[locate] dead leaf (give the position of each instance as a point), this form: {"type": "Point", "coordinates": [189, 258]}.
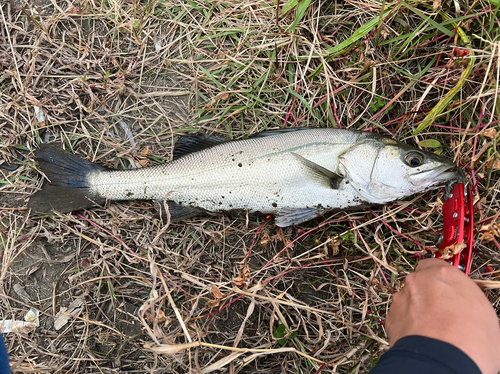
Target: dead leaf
{"type": "Point", "coordinates": [379, 287]}
{"type": "Point", "coordinates": [265, 240]}
{"type": "Point", "coordinates": [21, 292]}
{"type": "Point", "coordinates": [489, 133]}
{"type": "Point", "coordinates": [451, 250]}
{"type": "Point", "coordinates": [333, 249]}
{"type": "Point", "coordinates": [144, 162]}
{"type": "Point", "coordinates": [244, 278]}
{"type": "Point", "coordinates": [436, 4]}
{"type": "Point", "coordinates": [145, 152]}
{"type": "Point", "coordinates": [216, 292]}
{"type": "Point", "coordinates": [384, 33]}
{"type": "Point", "coordinates": [489, 232]}
{"type": "Point", "coordinates": [217, 295]}
{"type": "Point", "coordinates": [160, 316]}
{"type": "Point", "coordinates": [224, 96]}
{"type": "Point", "coordinates": [213, 303]}
{"type": "Point", "coordinates": [63, 316]}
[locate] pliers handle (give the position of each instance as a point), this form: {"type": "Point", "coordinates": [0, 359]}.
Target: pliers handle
{"type": "Point", "coordinates": [458, 230]}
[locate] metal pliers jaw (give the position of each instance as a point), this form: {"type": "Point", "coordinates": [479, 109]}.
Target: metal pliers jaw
{"type": "Point", "coordinates": [458, 230]}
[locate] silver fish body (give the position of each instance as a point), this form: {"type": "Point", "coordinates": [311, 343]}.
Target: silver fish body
{"type": "Point", "coordinates": [295, 175]}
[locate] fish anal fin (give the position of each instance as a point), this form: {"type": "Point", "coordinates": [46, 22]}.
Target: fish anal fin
{"type": "Point", "coordinates": [179, 212]}
{"type": "Point", "coordinates": [194, 143]}
{"type": "Point", "coordinates": [333, 179]}
{"type": "Point", "coordinates": [290, 216]}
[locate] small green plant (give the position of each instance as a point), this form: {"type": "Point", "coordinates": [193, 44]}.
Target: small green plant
{"type": "Point", "coordinates": [377, 103]}
{"type": "Point", "coordinates": [349, 236]}
{"type": "Point", "coordinates": [280, 333]}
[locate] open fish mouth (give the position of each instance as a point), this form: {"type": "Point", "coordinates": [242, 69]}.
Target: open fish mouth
{"type": "Point", "coordinates": [446, 175]}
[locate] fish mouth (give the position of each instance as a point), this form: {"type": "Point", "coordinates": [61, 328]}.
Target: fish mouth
{"type": "Point", "coordinates": [446, 175]}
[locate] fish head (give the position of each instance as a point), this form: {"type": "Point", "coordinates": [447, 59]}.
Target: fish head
{"type": "Point", "coordinates": [383, 170]}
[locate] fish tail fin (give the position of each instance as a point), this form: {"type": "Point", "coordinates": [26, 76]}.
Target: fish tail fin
{"type": "Point", "coordinates": [68, 189]}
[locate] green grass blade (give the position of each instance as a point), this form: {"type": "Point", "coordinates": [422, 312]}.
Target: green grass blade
{"type": "Point", "coordinates": [443, 103]}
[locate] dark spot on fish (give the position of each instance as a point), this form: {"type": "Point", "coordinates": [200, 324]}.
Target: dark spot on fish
{"type": "Point", "coordinates": [233, 159]}
{"type": "Point", "coordinates": [129, 194]}
{"type": "Point", "coordinates": [220, 202]}
{"type": "Point", "coordinates": [240, 164]}
{"type": "Point", "coordinates": [274, 205]}
{"type": "Point", "coordinates": [223, 197]}
{"type": "Point", "coordinates": [346, 182]}
{"type": "Point", "coordinates": [230, 205]}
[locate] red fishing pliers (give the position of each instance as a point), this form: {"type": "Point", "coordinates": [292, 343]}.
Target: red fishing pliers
{"type": "Point", "coordinates": [458, 230]}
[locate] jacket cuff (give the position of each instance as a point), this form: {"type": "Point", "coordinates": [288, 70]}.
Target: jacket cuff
{"type": "Point", "coordinates": [420, 354]}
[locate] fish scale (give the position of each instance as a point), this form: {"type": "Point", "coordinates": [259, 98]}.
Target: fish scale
{"type": "Point", "coordinates": [213, 179]}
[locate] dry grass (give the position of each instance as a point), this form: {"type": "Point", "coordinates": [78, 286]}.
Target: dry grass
{"type": "Point", "coordinates": [118, 81]}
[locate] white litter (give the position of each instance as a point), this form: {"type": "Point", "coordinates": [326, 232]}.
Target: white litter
{"type": "Point", "coordinates": [30, 323]}
{"type": "Point", "coordinates": [40, 115]}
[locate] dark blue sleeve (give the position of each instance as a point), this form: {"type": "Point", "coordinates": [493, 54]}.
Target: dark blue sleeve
{"type": "Point", "coordinates": [4, 359]}
{"type": "Point", "coordinates": [419, 354]}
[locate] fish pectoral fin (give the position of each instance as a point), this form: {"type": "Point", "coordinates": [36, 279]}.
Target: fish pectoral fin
{"type": "Point", "coordinates": [293, 216]}
{"type": "Point", "coordinates": [333, 179]}
{"type": "Point", "coordinates": [194, 143]}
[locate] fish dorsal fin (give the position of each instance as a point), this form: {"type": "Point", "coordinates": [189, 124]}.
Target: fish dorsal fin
{"type": "Point", "coordinates": [321, 173]}
{"type": "Point", "coordinates": [264, 134]}
{"type": "Point", "coordinates": [293, 216]}
{"type": "Point", "coordinates": [194, 143]}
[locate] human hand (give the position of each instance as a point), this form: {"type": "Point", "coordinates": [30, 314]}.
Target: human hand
{"type": "Point", "coordinates": [441, 302]}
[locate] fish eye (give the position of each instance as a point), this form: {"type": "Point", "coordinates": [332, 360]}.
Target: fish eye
{"type": "Point", "coordinates": [414, 159]}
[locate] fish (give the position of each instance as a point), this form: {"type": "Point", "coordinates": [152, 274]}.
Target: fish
{"type": "Point", "coordinates": [295, 174]}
